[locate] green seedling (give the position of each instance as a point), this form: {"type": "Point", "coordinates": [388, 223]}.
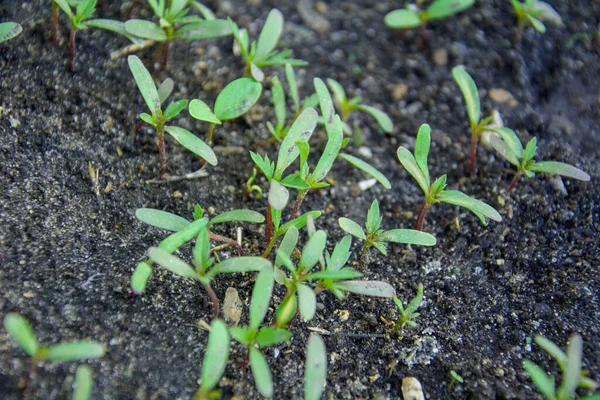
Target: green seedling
{"type": "Point", "coordinates": [158, 119]}
{"type": "Point", "coordinates": [315, 368]}
{"type": "Point", "coordinates": [508, 145]}
{"type": "Point", "coordinates": [215, 361]}
{"type": "Point", "coordinates": [573, 376]}
{"type": "Point", "coordinates": [374, 236]}
{"type": "Point", "coordinates": [235, 100]}
{"type": "Point", "coordinates": [254, 336]}
{"type": "Point", "coordinates": [435, 192]}
{"type": "Point", "coordinates": [9, 30]}
{"type": "Point", "coordinates": [478, 125]}
{"type": "Point", "coordinates": [262, 53]}
{"type": "Point", "coordinates": [455, 377]}
{"type": "Point", "coordinates": [176, 23]}
{"type": "Point", "coordinates": [345, 107]}
{"type": "Point", "coordinates": [252, 190]}
{"type": "Point", "coordinates": [532, 13]}
{"type": "Point", "coordinates": [412, 16]}
{"type": "Point", "coordinates": [184, 232]}
{"type": "Point", "coordinates": [84, 381]}
{"type": "Point", "coordinates": [333, 275]}
{"type": "Point", "coordinates": [408, 314]}
{"type": "Point", "coordinates": [20, 330]}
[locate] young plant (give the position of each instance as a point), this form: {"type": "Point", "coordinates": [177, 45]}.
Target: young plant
{"type": "Point", "coordinates": [570, 365]}
{"type": "Point", "coordinates": [262, 53]}
{"type": "Point", "coordinates": [315, 368]}
{"type": "Point", "coordinates": [478, 125]}
{"type": "Point", "coordinates": [215, 361]}
{"type": "Point", "coordinates": [455, 377]}
{"type": "Point", "coordinates": [184, 232]}
{"type": "Point", "coordinates": [532, 13]}
{"type": "Point", "coordinates": [175, 23]}
{"type": "Point", "coordinates": [345, 107]}
{"type": "Point", "coordinates": [9, 30]}
{"type": "Point", "coordinates": [508, 145]}
{"type": "Point", "coordinates": [435, 192]}
{"type": "Point", "coordinates": [333, 276]}
{"type": "Point", "coordinates": [412, 16]}
{"type": "Point", "coordinates": [158, 119]}
{"type": "Point", "coordinates": [20, 330]}
{"type": "Point", "coordinates": [373, 236]}
{"type": "Point", "coordinates": [236, 99]}
{"type": "Point", "coordinates": [408, 314]}
{"type": "Point", "coordinates": [255, 337]}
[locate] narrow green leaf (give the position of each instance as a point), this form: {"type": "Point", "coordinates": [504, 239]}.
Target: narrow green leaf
{"type": "Point", "coordinates": [85, 9]}
{"type": "Point", "coordinates": [326, 104]}
{"type": "Point", "coordinates": [117, 27]}
{"type": "Point", "coordinates": [161, 219]}
{"type": "Point", "coordinates": [66, 8]}
{"type": "Point", "coordinates": [71, 351]}
{"type": "Point", "coordinates": [242, 335]}
{"type": "Point", "coordinates": [543, 381]}
{"type": "Point", "coordinates": [402, 19]}
{"type": "Point", "coordinates": [171, 263]}
{"type": "Point", "coordinates": [536, 23]}
{"type": "Point", "coordinates": [201, 251]}
{"type": "Point", "coordinates": [373, 218]}
{"type": "Point", "coordinates": [237, 98]}
{"type": "Point", "coordinates": [409, 163]}
{"type": "Point", "coordinates": [352, 228]}
{"type": "Point", "coordinates": [381, 117]}
{"type": "Point", "coordinates": [146, 30]}
{"type": "Point", "coordinates": [293, 88]}
{"type": "Point", "coordinates": [145, 83]}
{"type": "Point", "coordinates": [261, 296]}
{"type": "Point", "coordinates": [261, 372]}
{"type": "Point", "coordinates": [264, 164]}
{"type": "Point", "coordinates": [307, 301]}
{"type": "Point", "coordinates": [438, 185]}
{"type": "Point", "coordinates": [165, 89]}
{"type": "Point", "coordinates": [340, 255]}
{"type": "Point", "coordinates": [278, 195]}
{"type": "Point", "coordinates": [269, 336]}
{"type": "Point", "coordinates": [510, 138]}
{"type": "Point", "coordinates": [288, 243]}
{"type": "Point", "coordinates": [301, 130]}
{"type": "Point", "coordinates": [530, 150]}
{"type": "Point", "coordinates": [174, 241]}
{"type": "Point", "coordinates": [338, 92]}
{"type": "Point", "coordinates": [20, 330]}
{"type": "Point", "coordinates": [365, 167]}
{"type": "Point", "coordinates": [140, 277]}
{"type": "Point", "coordinates": [558, 168]}
{"type": "Point", "coordinates": [313, 250]}
{"type": "Point", "coordinates": [422, 146]}
{"type": "Point", "coordinates": [476, 206]}
{"type": "Point", "coordinates": [202, 9]}
{"type": "Point", "coordinates": [278, 99]}
{"type": "Point", "coordinates": [201, 111]}
{"type": "Point", "coordinates": [416, 302]}
{"type": "Point", "coordinates": [367, 288]}
{"type": "Point", "coordinates": [506, 151]}
{"type": "Point", "coordinates": [572, 373]}
{"type": "Point", "coordinates": [174, 109]}
{"type": "Point", "coordinates": [82, 387]}
{"type": "Point", "coordinates": [201, 30]}
{"type": "Point", "coordinates": [193, 143]}
{"type": "Point", "coordinates": [340, 275]}
{"type": "Point", "coordinates": [315, 372]}
{"type": "Point", "coordinates": [238, 216]}
{"type": "Point", "coordinates": [269, 36]}
{"type": "Point", "coordinates": [215, 356]}
{"type": "Point", "coordinates": [158, 7]}
{"type": "Point", "coordinates": [469, 90]}
{"type": "Point", "coordinates": [408, 236]}
{"type": "Point", "coordinates": [330, 153]}
{"type": "Point", "coordinates": [299, 222]}
{"type": "Point", "coordinates": [241, 264]}
{"type": "Point", "coordinates": [552, 349]}
{"type": "Point", "coordinates": [147, 119]}
{"type": "Point", "coordinates": [9, 30]}
{"type": "Point", "coordinates": [441, 9]}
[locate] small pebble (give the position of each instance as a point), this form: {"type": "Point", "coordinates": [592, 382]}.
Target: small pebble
{"type": "Point", "coordinates": [411, 389]}
{"type": "Point", "coordinates": [400, 90]}
{"type": "Point", "coordinates": [440, 57]}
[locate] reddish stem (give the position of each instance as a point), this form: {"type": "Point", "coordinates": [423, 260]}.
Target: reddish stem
{"type": "Point", "coordinates": [214, 299]}
{"type": "Point", "coordinates": [72, 49]}
{"type": "Point", "coordinates": [424, 38]}
{"type": "Point", "coordinates": [514, 181]}
{"type": "Point", "coordinates": [130, 11]}
{"type": "Point", "coordinates": [28, 377]}
{"type": "Point", "coordinates": [421, 216]}
{"type": "Point", "coordinates": [297, 204]}
{"type": "Point", "coordinates": [269, 225]}
{"type": "Point", "coordinates": [161, 151]}
{"type": "Point", "coordinates": [473, 153]}
{"type": "Point", "coordinates": [139, 127]}
{"type": "Point", "coordinates": [165, 57]}
{"type": "Point", "coordinates": [54, 35]}
{"type": "Point", "coordinates": [230, 242]}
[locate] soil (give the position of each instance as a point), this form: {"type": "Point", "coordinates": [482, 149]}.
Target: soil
{"type": "Point", "coordinates": [68, 248]}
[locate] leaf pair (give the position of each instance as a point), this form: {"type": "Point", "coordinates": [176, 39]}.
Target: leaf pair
{"type": "Point", "coordinates": [533, 12]}
{"type": "Point", "coordinates": [261, 53]}
{"type": "Point", "coordinates": [413, 17]}
{"type": "Point", "coordinates": [416, 165]}
{"type": "Point", "coordinates": [376, 237]}
{"type": "Point", "coordinates": [408, 314]}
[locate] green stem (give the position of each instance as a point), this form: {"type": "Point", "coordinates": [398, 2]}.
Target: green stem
{"type": "Point", "coordinates": [363, 255]}
{"type": "Point", "coordinates": [209, 137]}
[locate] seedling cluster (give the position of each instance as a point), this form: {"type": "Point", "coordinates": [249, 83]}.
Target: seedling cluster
{"type": "Point", "coordinates": [302, 269]}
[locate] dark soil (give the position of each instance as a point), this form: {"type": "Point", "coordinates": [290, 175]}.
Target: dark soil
{"type": "Point", "coordinates": [67, 252]}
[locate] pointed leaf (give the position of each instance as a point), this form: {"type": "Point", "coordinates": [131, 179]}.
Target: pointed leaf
{"type": "Point", "coordinates": [352, 228]}
{"type": "Point", "coordinates": [530, 150]}
{"type": "Point", "coordinates": [146, 30]}
{"type": "Point", "coordinates": [543, 381]}
{"type": "Point", "coordinates": [476, 206]}
{"type": "Point", "coordinates": [422, 146]}
{"type": "Point", "coordinates": [66, 8]}
{"type": "Point", "coordinates": [536, 23]}
{"type": "Point", "coordinates": [379, 245]}
{"type": "Point", "coordinates": [330, 153]}
{"type": "Point", "coordinates": [469, 90]}
{"type": "Point", "coordinates": [341, 254]}
{"type": "Point", "coordinates": [301, 130]}
{"type": "Point", "coordinates": [313, 250]}
{"type": "Point", "coordinates": [82, 387]}
{"type": "Point", "coordinates": [505, 150]}
{"type": "Point", "coordinates": [171, 262]}
{"type": "Point", "coordinates": [367, 288]}
{"type": "Point", "coordinates": [558, 168]}
{"type": "Point", "coordinates": [241, 264]}
{"type": "Point", "coordinates": [552, 349]}
{"type": "Point", "coordinates": [215, 356]}
{"type": "Point", "coordinates": [110, 25]}
{"type": "Point", "coordinates": [288, 243]}
{"type": "Point", "coordinates": [408, 236]}
{"type": "Point", "coordinates": [307, 301]}
{"type": "Point", "coordinates": [402, 19]}
{"type": "Point", "coordinates": [261, 296]}
{"type": "Point", "coordinates": [510, 138]}
{"type": "Point", "coordinates": [326, 104]}
{"type": "Point", "coordinates": [416, 302]}
{"type": "Point", "coordinates": [572, 373]}
{"type": "Point", "coordinates": [177, 239]}
{"type": "Point", "coordinates": [315, 371]}
{"type": "Point", "coordinates": [161, 219]}
{"type": "Point", "coordinates": [365, 167]}
{"type": "Point", "coordinates": [269, 336]}
{"type": "Point", "coordinates": [299, 222]}
{"type": "Point", "coordinates": [201, 111]}
{"type": "Point", "coordinates": [293, 88]}
{"type": "Point", "coordinates": [261, 372]}
{"type": "Point", "coordinates": [237, 98]}
{"type": "Point", "coordinates": [242, 335]}
{"type": "Point", "coordinates": [20, 330]}
{"type": "Point", "coordinates": [201, 30]}
{"type": "Point", "coordinates": [85, 9]}
{"type": "Point", "coordinates": [409, 163]}
{"type": "Point", "coordinates": [278, 99]}
{"type": "Point", "coordinates": [373, 218]}
{"type": "Point", "coordinates": [238, 216]}
{"type": "Point", "coordinates": [145, 83]}
{"type": "Point", "coordinates": [441, 9]}
{"type": "Point", "coordinates": [269, 36]}
{"type": "Point", "coordinates": [342, 274]}
{"type": "Point", "coordinates": [202, 251]}
{"type": "Point", "coordinates": [81, 350]}
{"type": "Point", "coordinates": [381, 117]}
{"type": "Point", "coordinates": [264, 164]}
{"type": "Point", "coordinates": [193, 143]}
{"type": "Point", "coordinates": [140, 277]}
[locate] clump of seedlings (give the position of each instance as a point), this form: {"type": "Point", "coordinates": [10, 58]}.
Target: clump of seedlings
{"type": "Point", "coordinates": [176, 23]}
{"type": "Point", "coordinates": [214, 362]}
{"type": "Point", "coordinates": [374, 236]}
{"type": "Point", "coordinates": [531, 13]}
{"type": "Point", "coordinates": [9, 30]}
{"type": "Point", "coordinates": [412, 16]}
{"type": "Point", "coordinates": [435, 192]}
{"type": "Point", "coordinates": [508, 145]}
{"type": "Point", "coordinates": [573, 376]}
{"type": "Point", "coordinates": [159, 118]}
{"type": "Point", "coordinates": [262, 53]}
{"type": "Point", "coordinates": [20, 330]}
{"type": "Point", "coordinates": [408, 314]}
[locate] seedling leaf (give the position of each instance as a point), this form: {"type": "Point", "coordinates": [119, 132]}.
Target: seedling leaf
{"type": "Point", "coordinates": [301, 130]}
{"type": "Point", "coordinates": [241, 264]}
{"type": "Point", "coordinates": [299, 222]}
{"type": "Point", "coordinates": [237, 98]}
{"type": "Point", "coordinates": [238, 216]}
{"type": "Point", "coordinates": [352, 228]}
{"type": "Point", "coordinates": [74, 351]}
{"type": "Point", "coordinates": [261, 296]}
{"type": "Point", "coordinates": [261, 372]}
{"type": "Point", "coordinates": [307, 302]}
{"type": "Point", "coordinates": [161, 219]}
{"type": "Point", "coordinates": [382, 118]}
{"type": "Point", "coordinates": [363, 166]}
{"type": "Point", "coordinates": [201, 30]}
{"type": "Point", "coordinates": [340, 255]}
{"type": "Point", "coordinates": [9, 30]}
{"type": "Point", "coordinates": [422, 146]}
{"type": "Point", "coordinates": [269, 336]}
{"type": "Point", "coordinates": [559, 168]}
{"type": "Point", "coordinates": [313, 250]}
{"type": "Point", "coordinates": [174, 241]}
{"type": "Point", "coordinates": [469, 90]}
{"type": "Point", "coordinates": [171, 262]}
{"type": "Point", "coordinates": [278, 195]}
{"type": "Point", "coordinates": [373, 218]}
{"type": "Point", "coordinates": [409, 163]}
{"type": "Point", "coordinates": [215, 356]}
{"type": "Point", "coordinates": [402, 19]}
{"type": "Point", "coordinates": [544, 382]}
{"type": "Point", "coordinates": [408, 236]}
{"type": "Point", "coordinates": [441, 9]}
{"type": "Point", "coordinates": [83, 383]}
{"type": "Point", "coordinates": [315, 373]}
{"type": "Point", "coordinates": [288, 243]}
{"type": "Point", "coordinates": [140, 277]}
{"type": "Point", "coordinates": [293, 88]}
{"type": "Point", "coordinates": [332, 149]}
{"type": "Point", "coordinates": [146, 30]}
{"type": "Point", "coordinates": [478, 207]}
{"type": "Point", "coordinates": [326, 105]}
{"type": "Point", "coordinates": [269, 36]}
{"type": "Point", "coordinates": [572, 372]}
{"type": "Point", "coordinates": [201, 111]}
{"type": "Point", "coordinates": [145, 83]}
{"type": "Point", "coordinates": [20, 330]}
{"type": "Point", "coordinates": [194, 144]}
{"type": "Point", "coordinates": [342, 274]}
{"type": "Point", "coordinates": [165, 89]}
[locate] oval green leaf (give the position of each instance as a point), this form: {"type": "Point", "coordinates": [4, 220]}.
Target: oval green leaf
{"type": "Point", "coordinates": [238, 216]}
{"type": "Point", "coordinates": [145, 30]}
{"type": "Point", "coordinates": [269, 36]}
{"type": "Point", "coordinates": [559, 168]}
{"type": "Point", "coordinates": [469, 90]}
{"type": "Point", "coordinates": [20, 330]}
{"type": "Point", "coordinates": [201, 111]}
{"type": "Point", "coordinates": [82, 388]}
{"type": "Point", "coordinates": [402, 19]}
{"type": "Point", "coordinates": [74, 351]}
{"type": "Point", "coordinates": [261, 296]}
{"type": "Point", "coordinates": [145, 83]}
{"type": "Point", "coordinates": [307, 301]}
{"type": "Point", "coordinates": [315, 372]}
{"type": "Point", "coordinates": [408, 236]}
{"type": "Point", "coordinates": [269, 336]}
{"type": "Point", "coordinates": [216, 355]}
{"type": "Point", "coordinates": [194, 144]}
{"type": "Point", "coordinates": [204, 30]}
{"type": "Point", "coordinates": [382, 118]}
{"type": "Point", "coordinates": [441, 9]}
{"type": "Point", "coordinates": [313, 250]}
{"type": "Point", "coordinates": [478, 207]}
{"type": "Point", "coordinates": [352, 228]}
{"type": "Point", "coordinates": [9, 30]}
{"type": "Point", "coordinates": [171, 262]}
{"type": "Point", "coordinates": [161, 219]}
{"type": "Point", "coordinates": [367, 288]}
{"type": "Point", "coordinates": [300, 131]}
{"type": "Point", "coordinates": [174, 241]}
{"type": "Point", "coordinates": [241, 264]}
{"type": "Point", "coordinates": [237, 98]}
{"type": "Point", "coordinates": [140, 277]}
{"type": "Point", "coordinates": [261, 373]}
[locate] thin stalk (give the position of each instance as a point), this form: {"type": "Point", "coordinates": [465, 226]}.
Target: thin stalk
{"type": "Point", "coordinates": [421, 216]}
{"type": "Point", "coordinates": [363, 255]}
{"type": "Point", "coordinates": [269, 247]}
{"type": "Point", "coordinates": [424, 37]}
{"type": "Point", "coordinates": [301, 195]}
{"type": "Point", "coordinates": [473, 152]}
{"type": "Point", "coordinates": [72, 49]}
{"type": "Point", "coordinates": [30, 370]}
{"type": "Point", "coordinates": [165, 59]}
{"type": "Point", "coordinates": [514, 181]}
{"type": "Point", "coordinates": [161, 151]}
{"type": "Point", "coordinates": [230, 242]}
{"type": "Point", "coordinates": [54, 35]}
{"type": "Point", "coordinates": [214, 299]}
{"type": "Point", "coordinates": [130, 11]}
{"type": "Point", "coordinates": [209, 137]}
{"type": "Point", "coordinates": [269, 225]}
